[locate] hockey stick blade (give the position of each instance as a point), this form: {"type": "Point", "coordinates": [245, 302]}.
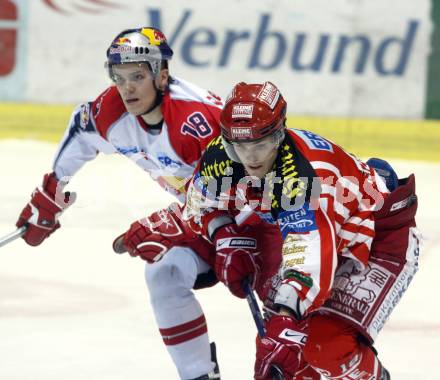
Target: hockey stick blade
{"type": "Point", "coordinates": [118, 245]}
{"type": "Point", "coordinates": [275, 372]}
{"type": "Point", "coordinates": [19, 232]}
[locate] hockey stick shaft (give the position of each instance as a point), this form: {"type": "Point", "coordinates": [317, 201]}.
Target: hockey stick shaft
{"type": "Point", "coordinates": [19, 232]}
{"type": "Point", "coordinates": [275, 371]}
{"type": "Point", "coordinates": [255, 310]}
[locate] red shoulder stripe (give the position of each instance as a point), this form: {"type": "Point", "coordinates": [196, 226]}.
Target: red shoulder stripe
{"type": "Point", "coordinates": [107, 108]}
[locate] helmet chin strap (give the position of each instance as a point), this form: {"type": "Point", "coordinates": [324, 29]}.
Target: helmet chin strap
{"type": "Point", "coordinates": [157, 99]}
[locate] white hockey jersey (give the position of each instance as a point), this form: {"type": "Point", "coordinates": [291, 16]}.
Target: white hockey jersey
{"type": "Point", "coordinates": [169, 155]}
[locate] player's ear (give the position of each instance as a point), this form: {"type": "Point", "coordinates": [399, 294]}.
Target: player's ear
{"type": "Point", "coordinates": [163, 79]}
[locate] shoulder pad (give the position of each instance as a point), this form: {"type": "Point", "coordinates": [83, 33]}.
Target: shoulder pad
{"type": "Point", "coordinates": [312, 140]}
{"type": "Point", "coordinates": [215, 160]}
{"type": "Point", "coordinates": [107, 108]}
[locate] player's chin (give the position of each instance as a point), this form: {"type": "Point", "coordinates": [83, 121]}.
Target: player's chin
{"type": "Point", "coordinates": [134, 109]}
{"type": "Point", "coordinates": [256, 170]}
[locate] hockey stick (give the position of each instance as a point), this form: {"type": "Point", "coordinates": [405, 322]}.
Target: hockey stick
{"type": "Point", "coordinates": [275, 372]}
{"type": "Point", "coordinates": [118, 245]}
{"type": "Point", "coordinates": [19, 232]}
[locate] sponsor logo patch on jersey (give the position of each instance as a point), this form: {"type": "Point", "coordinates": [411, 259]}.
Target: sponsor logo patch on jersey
{"type": "Point", "coordinates": [127, 149]}
{"type": "Point", "coordinates": [84, 115]}
{"type": "Point", "coordinates": [266, 216]}
{"type": "Point", "coordinates": [297, 221]}
{"type": "Point", "coordinates": [290, 263]}
{"type": "Point", "coordinates": [242, 111]}
{"type": "Point", "coordinates": [299, 277]}
{"type": "Point", "coordinates": [314, 141]}
{"type": "Point", "coordinates": [168, 162]}
{"type": "Point", "coordinates": [293, 249]}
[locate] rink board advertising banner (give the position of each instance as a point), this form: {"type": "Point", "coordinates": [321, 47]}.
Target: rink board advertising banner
{"type": "Point", "coordinates": [339, 58]}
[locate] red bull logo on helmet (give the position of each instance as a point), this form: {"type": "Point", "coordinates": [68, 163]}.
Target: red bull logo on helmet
{"type": "Point", "coordinates": [121, 49]}
{"type": "Point", "coordinates": [159, 35]}
{"type": "Point", "coordinates": [155, 36]}
{"type": "Point", "coordinates": [122, 40]}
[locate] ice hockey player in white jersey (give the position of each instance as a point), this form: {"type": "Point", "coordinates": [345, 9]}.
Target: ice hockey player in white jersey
{"type": "Point", "coordinates": [163, 124]}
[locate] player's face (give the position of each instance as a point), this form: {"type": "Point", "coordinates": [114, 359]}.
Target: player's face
{"type": "Point", "coordinates": [258, 156]}
{"type": "Point", "coordinates": [135, 85]}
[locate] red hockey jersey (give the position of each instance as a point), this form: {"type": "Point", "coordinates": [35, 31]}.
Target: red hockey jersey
{"type": "Point", "coordinates": [321, 198]}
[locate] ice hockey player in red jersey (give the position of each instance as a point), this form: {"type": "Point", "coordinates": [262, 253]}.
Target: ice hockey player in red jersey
{"type": "Point", "coordinates": [163, 124]}
{"type": "Point", "coordinates": [326, 245]}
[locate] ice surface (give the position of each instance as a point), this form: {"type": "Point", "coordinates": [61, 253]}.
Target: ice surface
{"type": "Point", "coordinates": [72, 309]}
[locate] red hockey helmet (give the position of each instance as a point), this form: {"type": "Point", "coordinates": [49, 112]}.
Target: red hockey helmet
{"type": "Point", "coordinates": [252, 112]}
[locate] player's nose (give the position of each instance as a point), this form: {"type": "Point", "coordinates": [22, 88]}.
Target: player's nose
{"type": "Point", "coordinates": [129, 87]}
{"type": "Point", "coordinates": [251, 158]}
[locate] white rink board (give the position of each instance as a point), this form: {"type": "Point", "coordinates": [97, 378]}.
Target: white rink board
{"type": "Point", "coordinates": [71, 309]}
{"type": "Point", "coordinates": [347, 58]}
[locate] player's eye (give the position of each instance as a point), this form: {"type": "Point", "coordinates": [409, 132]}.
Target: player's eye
{"type": "Point", "coordinates": [137, 77]}
{"type": "Point", "coordinates": [118, 79]}
{"type": "Point", "coordinates": [262, 145]}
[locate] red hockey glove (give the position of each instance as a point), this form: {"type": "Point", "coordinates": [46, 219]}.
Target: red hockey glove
{"type": "Point", "coordinates": [281, 346]}
{"type": "Point", "coordinates": [235, 261]}
{"type": "Point", "coordinates": [151, 237]}
{"type": "Point", "coordinates": [42, 212]}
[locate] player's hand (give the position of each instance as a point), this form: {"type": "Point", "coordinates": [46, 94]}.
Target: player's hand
{"type": "Point", "coordinates": [151, 237]}
{"type": "Point", "coordinates": [236, 257]}
{"type": "Point", "coordinates": [41, 214]}
{"type": "Point", "coordinates": [281, 346]}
